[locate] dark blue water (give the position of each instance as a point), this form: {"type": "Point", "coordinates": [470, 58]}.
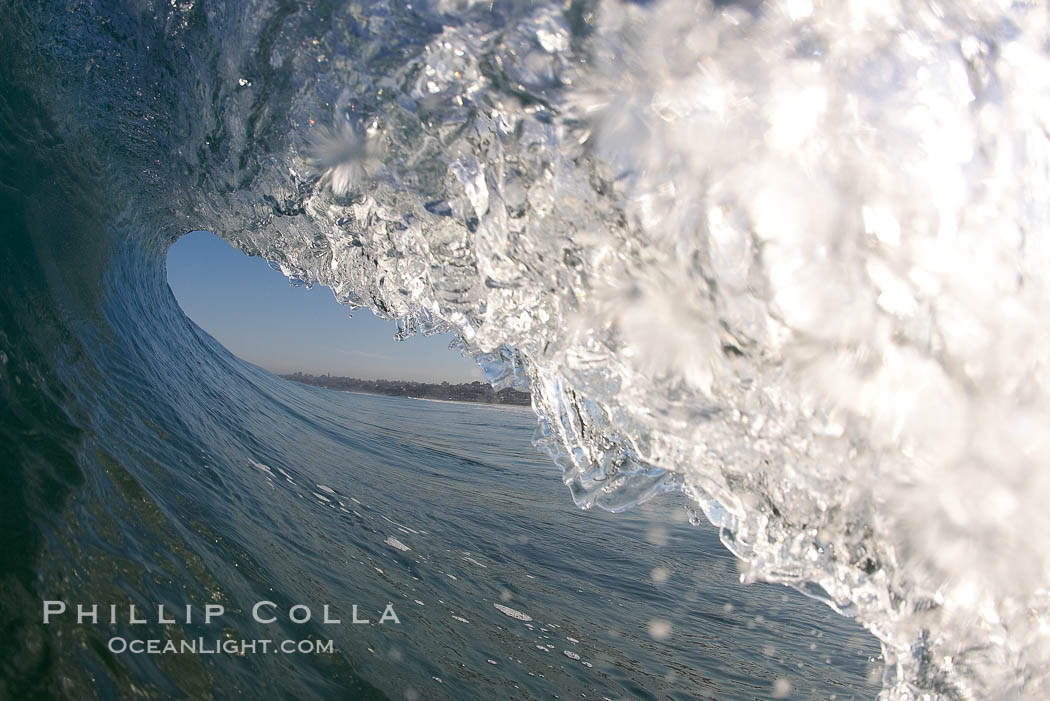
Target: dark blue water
{"type": "Point", "coordinates": [312, 497]}
{"type": "Point", "coordinates": [488, 523]}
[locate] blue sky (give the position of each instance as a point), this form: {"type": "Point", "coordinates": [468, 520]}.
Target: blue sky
{"type": "Point", "coordinates": [252, 310]}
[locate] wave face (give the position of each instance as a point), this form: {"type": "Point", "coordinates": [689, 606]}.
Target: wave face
{"type": "Point", "coordinates": [788, 258]}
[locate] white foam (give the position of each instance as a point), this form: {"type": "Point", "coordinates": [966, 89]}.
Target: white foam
{"type": "Point", "coordinates": [395, 543]}
{"type": "Point", "coordinates": [507, 611]}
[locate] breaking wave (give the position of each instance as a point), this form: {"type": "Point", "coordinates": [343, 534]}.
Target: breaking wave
{"type": "Point", "coordinates": [789, 258]}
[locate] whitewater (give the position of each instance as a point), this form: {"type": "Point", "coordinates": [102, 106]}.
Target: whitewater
{"type": "Point", "coordinates": [788, 259]}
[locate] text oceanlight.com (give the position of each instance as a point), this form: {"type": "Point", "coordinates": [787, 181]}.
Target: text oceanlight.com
{"type": "Point", "coordinates": [201, 646]}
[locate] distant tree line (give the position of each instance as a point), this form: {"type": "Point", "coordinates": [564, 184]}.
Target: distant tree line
{"type": "Point", "coordinates": [479, 392]}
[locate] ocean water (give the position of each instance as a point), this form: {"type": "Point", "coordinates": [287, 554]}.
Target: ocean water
{"type": "Point", "coordinates": [443, 510]}
{"type": "Point", "coordinates": [782, 261]}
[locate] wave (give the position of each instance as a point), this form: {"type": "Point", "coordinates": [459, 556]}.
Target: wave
{"type": "Point", "coordinates": [788, 258]}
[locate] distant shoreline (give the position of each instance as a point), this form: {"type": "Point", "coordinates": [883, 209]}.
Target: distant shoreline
{"type": "Point", "coordinates": [472, 392]}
